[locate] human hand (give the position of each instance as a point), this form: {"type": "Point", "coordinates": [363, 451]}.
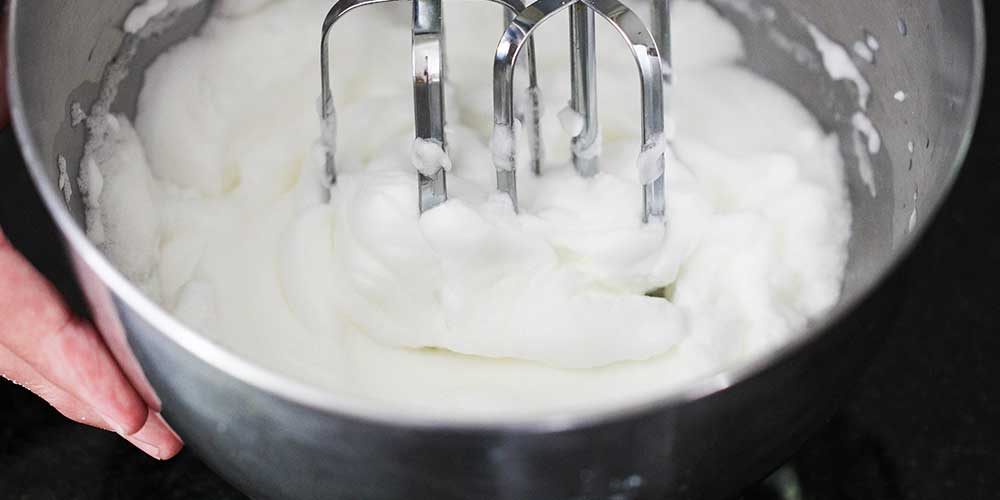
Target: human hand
{"type": "Point", "coordinates": [62, 358]}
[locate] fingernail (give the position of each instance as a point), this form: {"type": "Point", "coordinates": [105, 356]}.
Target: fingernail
{"type": "Point", "coordinates": [165, 426]}
{"type": "Point", "coordinates": [148, 448]}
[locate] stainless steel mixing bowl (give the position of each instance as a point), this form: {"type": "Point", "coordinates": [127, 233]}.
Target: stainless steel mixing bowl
{"type": "Point", "coordinates": [276, 438]}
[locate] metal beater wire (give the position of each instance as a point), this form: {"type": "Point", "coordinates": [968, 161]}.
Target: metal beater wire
{"type": "Point", "coordinates": [647, 59]}
{"type": "Point", "coordinates": [429, 68]}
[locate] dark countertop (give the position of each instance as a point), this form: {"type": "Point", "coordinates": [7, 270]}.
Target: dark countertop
{"type": "Point", "coordinates": [924, 422]}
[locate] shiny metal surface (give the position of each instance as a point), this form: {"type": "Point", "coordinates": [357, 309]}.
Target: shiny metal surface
{"type": "Point", "coordinates": [428, 93]}
{"type": "Point", "coordinates": [647, 58]}
{"type": "Point", "coordinates": [276, 438]}
{"type": "Point", "coordinates": [429, 61]}
{"type": "Point", "coordinates": [660, 26]}
{"type": "Point", "coordinates": [531, 114]}
{"type": "Point", "coordinates": [583, 99]}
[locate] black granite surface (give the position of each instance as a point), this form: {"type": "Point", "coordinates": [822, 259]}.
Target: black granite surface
{"type": "Point", "coordinates": [923, 424]}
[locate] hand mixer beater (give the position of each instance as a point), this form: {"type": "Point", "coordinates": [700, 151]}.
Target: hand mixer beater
{"type": "Point", "coordinates": [430, 146]}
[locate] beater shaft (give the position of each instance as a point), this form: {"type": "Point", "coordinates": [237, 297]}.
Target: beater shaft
{"type": "Point", "coordinates": [661, 33]}
{"type": "Point", "coordinates": [428, 93]}
{"type": "Point", "coordinates": [583, 67]}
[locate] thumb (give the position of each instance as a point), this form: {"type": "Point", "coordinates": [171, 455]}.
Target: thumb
{"type": "Point", "coordinates": [63, 359]}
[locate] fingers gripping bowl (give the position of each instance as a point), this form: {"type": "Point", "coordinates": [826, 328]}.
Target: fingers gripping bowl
{"type": "Point", "coordinates": [278, 438]}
